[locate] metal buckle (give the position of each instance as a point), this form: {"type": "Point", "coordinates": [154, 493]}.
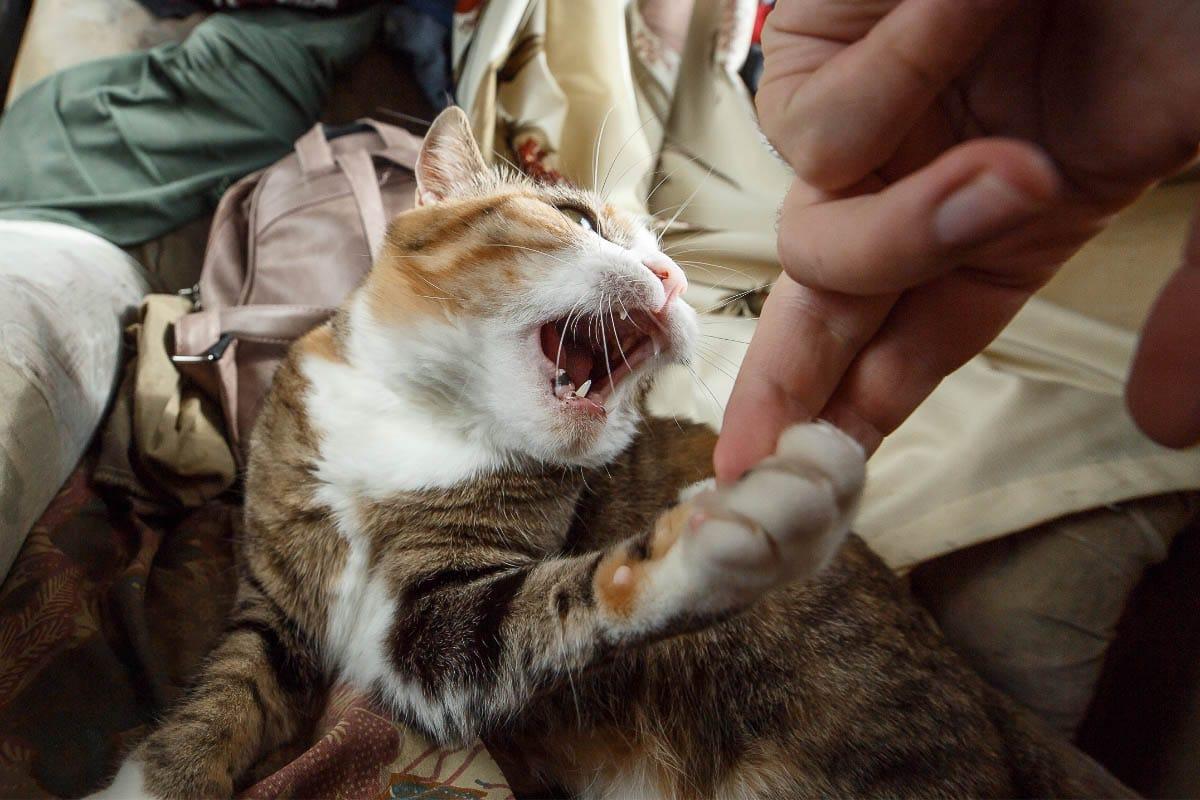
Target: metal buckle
{"type": "Point", "coordinates": [192, 293]}
{"type": "Point", "coordinates": [210, 355]}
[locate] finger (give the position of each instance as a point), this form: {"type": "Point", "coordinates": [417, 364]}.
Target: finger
{"type": "Point", "coordinates": [1163, 393]}
{"type": "Point", "coordinates": [799, 37]}
{"type": "Point", "coordinates": [836, 121]}
{"type": "Point", "coordinates": [804, 341]}
{"type": "Point", "coordinates": [919, 226]}
{"type": "Point", "coordinates": [932, 331]}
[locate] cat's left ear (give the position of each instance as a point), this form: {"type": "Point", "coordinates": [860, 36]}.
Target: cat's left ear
{"type": "Point", "coordinates": [450, 160]}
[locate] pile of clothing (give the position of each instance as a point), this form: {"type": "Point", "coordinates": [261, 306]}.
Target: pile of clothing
{"type": "Point", "coordinates": [118, 582]}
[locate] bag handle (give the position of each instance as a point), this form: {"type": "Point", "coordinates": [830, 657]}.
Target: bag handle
{"type": "Point", "coordinates": [391, 135]}
{"type": "Point", "coordinates": [265, 323]}
{"type": "Point", "coordinates": [313, 151]}
{"type": "Point", "coordinates": [359, 170]}
{"type": "Point", "coordinates": [316, 156]}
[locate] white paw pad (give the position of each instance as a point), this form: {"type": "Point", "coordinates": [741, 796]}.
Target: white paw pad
{"type": "Point", "coordinates": [786, 518]}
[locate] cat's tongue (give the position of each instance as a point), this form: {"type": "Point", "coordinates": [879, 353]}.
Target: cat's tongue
{"type": "Point", "coordinates": [576, 359]}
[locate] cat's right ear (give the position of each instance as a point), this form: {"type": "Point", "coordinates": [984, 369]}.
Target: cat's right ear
{"type": "Point", "coordinates": [450, 160]}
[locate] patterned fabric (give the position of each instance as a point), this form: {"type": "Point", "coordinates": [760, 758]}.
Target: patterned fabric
{"type": "Point", "coordinates": [104, 617]}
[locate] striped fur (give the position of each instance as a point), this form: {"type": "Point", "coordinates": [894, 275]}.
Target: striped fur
{"type": "Point", "coordinates": [427, 519]}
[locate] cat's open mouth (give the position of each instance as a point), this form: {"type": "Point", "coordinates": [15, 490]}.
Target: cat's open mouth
{"type": "Point", "coordinates": [592, 354]}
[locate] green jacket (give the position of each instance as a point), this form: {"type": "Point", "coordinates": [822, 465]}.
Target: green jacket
{"type": "Point", "coordinates": [133, 146]}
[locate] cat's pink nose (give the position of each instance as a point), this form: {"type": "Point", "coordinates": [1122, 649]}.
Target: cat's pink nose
{"type": "Point", "coordinates": [673, 280]}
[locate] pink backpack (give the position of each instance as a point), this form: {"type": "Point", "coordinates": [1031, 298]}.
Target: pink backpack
{"type": "Point", "coordinates": [287, 245]}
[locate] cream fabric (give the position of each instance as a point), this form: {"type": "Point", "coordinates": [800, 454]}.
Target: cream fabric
{"type": "Point", "coordinates": [1031, 430]}
{"type": "Point", "coordinates": [1035, 428]}
{"type": "Point", "coordinates": [63, 294]}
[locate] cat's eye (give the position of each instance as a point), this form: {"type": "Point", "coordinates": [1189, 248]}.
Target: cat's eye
{"type": "Point", "coordinates": [581, 217]}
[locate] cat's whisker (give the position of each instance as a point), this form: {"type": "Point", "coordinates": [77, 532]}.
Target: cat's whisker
{"type": "Point", "coordinates": [604, 340]}
{"type": "Point", "coordinates": [734, 298]}
{"type": "Point", "coordinates": [617, 336]}
{"type": "Point", "coordinates": [711, 266]}
{"type": "Point", "coordinates": [562, 646]}
{"type": "Point", "coordinates": [716, 402]}
{"type": "Point", "coordinates": [533, 250]}
{"type": "Point", "coordinates": [629, 317]}
{"type": "Point", "coordinates": [391, 112]}
{"type": "Point", "coordinates": [673, 249]}
{"type": "Point", "coordinates": [714, 351]}
{"type": "Point", "coordinates": [440, 289]}
{"type": "Point", "coordinates": [715, 366]}
{"type": "Point", "coordinates": [716, 205]}
{"type": "Point", "coordinates": [621, 149]}
{"type": "Point", "coordinates": [677, 250]}
{"type": "Point", "coordinates": [658, 185]}
{"type": "Point", "coordinates": [724, 338]}
{"type": "Point", "coordinates": [511, 164]}
{"type": "Point", "coordinates": [687, 202]}
{"type": "Point", "coordinates": [452, 296]}
{"type": "Point", "coordinates": [636, 163]}
{"type": "Point", "coordinates": [599, 141]}
{"type": "Point", "coordinates": [562, 338]}
{"type": "Point", "coordinates": [719, 320]}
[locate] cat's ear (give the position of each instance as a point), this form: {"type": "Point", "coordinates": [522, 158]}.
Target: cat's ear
{"type": "Point", "coordinates": [450, 160]}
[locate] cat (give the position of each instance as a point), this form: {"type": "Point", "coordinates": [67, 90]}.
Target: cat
{"type": "Point", "coordinates": [455, 501]}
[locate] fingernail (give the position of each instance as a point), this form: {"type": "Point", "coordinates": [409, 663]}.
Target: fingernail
{"type": "Point", "coordinates": [982, 208]}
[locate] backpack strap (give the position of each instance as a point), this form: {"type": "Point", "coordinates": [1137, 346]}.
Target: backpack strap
{"type": "Point", "coordinates": [359, 170]}
{"type": "Point", "coordinates": [203, 336]}
{"type": "Point", "coordinates": [391, 135]}
{"type": "Point", "coordinates": [313, 151]}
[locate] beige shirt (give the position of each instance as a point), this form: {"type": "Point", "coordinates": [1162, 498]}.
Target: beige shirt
{"type": "Point", "coordinates": [1032, 429]}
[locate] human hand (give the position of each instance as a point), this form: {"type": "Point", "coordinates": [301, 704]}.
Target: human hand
{"type": "Point", "coordinates": [950, 156]}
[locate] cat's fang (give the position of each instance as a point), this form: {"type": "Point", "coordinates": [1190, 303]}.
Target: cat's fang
{"type": "Point", "coordinates": [584, 387]}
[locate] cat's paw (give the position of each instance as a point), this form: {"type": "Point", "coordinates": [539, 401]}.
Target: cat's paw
{"type": "Point", "coordinates": [782, 521]}
{"type": "Point", "coordinates": [721, 549]}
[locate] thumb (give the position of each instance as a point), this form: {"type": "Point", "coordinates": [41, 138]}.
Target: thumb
{"type": "Point", "coordinates": [1163, 393]}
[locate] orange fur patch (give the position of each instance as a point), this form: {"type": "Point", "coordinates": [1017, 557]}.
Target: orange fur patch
{"type": "Point", "coordinates": [666, 531]}
{"type": "Point", "coordinates": [619, 596]}
{"type": "Point", "coordinates": [320, 342]}
{"type": "Point", "coordinates": [452, 256]}
{"type": "Point", "coordinates": [619, 576]}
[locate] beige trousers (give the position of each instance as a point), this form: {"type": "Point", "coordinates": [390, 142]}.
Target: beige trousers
{"type": "Point", "coordinates": [1035, 612]}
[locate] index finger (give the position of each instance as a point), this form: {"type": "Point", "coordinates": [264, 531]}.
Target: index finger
{"type": "Point", "coordinates": [805, 341]}
{"type": "Point", "coordinates": [844, 81]}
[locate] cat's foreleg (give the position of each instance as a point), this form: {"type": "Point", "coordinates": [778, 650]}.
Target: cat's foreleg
{"type": "Point", "coordinates": [472, 644]}
{"type": "Point", "coordinates": [254, 692]}
{"type": "Point", "coordinates": [721, 549]}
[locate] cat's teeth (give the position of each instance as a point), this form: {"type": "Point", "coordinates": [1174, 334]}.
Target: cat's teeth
{"type": "Point", "coordinates": [563, 388]}
{"type": "Point", "coordinates": [584, 387]}
{"type": "Point", "coordinates": [624, 314]}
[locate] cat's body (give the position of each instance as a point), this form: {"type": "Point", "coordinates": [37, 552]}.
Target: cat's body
{"type": "Point", "coordinates": [438, 511]}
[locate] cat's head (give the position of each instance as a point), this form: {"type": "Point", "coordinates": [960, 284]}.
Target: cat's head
{"type": "Point", "coordinates": [530, 317]}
